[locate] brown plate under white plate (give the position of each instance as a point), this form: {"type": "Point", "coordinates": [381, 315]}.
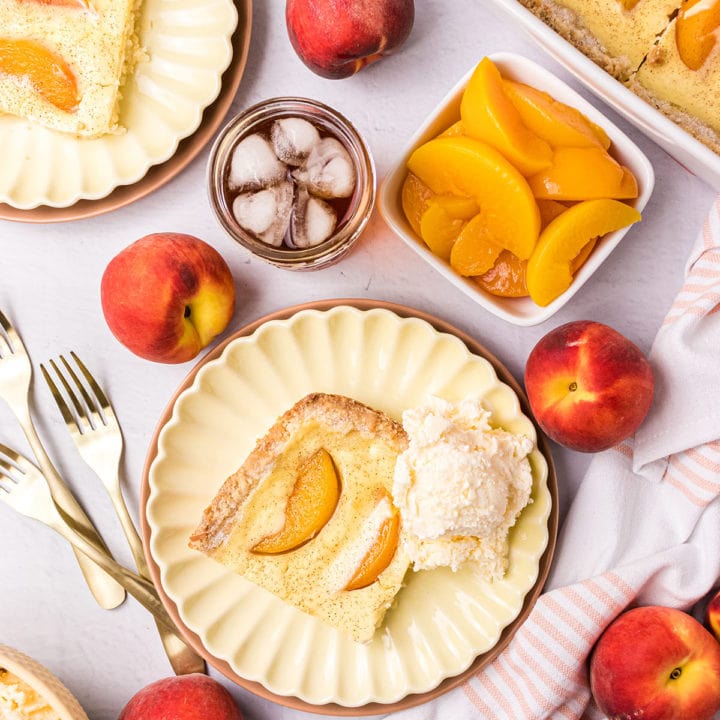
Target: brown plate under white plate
{"type": "Point", "coordinates": [187, 149]}
{"type": "Point", "coordinates": [171, 465]}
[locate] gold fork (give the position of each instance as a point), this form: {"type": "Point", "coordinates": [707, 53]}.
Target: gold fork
{"type": "Point", "coordinates": [96, 433]}
{"type": "Point", "coordinates": [24, 488]}
{"type": "Point", "coordinates": [15, 378]}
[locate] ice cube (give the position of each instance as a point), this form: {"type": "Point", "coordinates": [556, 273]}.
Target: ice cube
{"type": "Point", "coordinates": [313, 220]}
{"type": "Point", "coordinates": [328, 171]}
{"type": "Point", "coordinates": [254, 164]}
{"type": "Point", "coordinates": [266, 213]}
{"type": "Point", "coordinates": [293, 139]}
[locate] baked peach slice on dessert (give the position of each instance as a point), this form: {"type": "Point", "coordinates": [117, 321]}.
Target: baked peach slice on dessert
{"type": "Point", "coordinates": [43, 69]}
{"type": "Point", "coordinates": [310, 505]}
{"type": "Point", "coordinates": [551, 267]}
{"type": "Point", "coordinates": [696, 31]}
{"type": "Point", "coordinates": [585, 173]}
{"type": "Point", "coordinates": [470, 168]}
{"type": "Point", "coordinates": [560, 125]}
{"type": "Point", "coordinates": [381, 552]}
{"type": "Point", "coordinates": [488, 114]}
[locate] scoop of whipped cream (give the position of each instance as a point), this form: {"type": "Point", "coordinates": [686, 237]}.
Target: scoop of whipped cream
{"type": "Point", "coordinates": [460, 486]}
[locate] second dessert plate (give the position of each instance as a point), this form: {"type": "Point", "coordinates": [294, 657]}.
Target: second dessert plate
{"type": "Point", "coordinates": [443, 625]}
{"type": "Point", "coordinates": [187, 47]}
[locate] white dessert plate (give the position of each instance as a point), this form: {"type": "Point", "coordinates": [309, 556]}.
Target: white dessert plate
{"type": "Point", "coordinates": [442, 624]}
{"type": "Point", "coordinates": [519, 311]}
{"type": "Point", "coordinates": [188, 46]}
{"type": "Point", "coordinates": [679, 144]}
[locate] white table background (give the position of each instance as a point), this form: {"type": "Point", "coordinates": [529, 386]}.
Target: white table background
{"type": "Point", "coordinates": [49, 286]}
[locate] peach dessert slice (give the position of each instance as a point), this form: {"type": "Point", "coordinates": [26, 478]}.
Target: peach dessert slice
{"type": "Point", "coordinates": [551, 267]}
{"type": "Point", "coordinates": [488, 114]}
{"type": "Point", "coordinates": [443, 220]}
{"type": "Point", "coordinates": [310, 505]}
{"type": "Point", "coordinates": [558, 124]}
{"type": "Point", "coordinates": [307, 516]}
{"type": "Point", "coordinates": [470, 168]}
{"type": "Point", "coordinates": [30, 62]}
{"type": "Point", "coordinates": [696, 31]}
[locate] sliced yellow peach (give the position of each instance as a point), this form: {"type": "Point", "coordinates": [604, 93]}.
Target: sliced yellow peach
{"type": "Point", "coordinates": [44, 70]}
{"type": "Point", "coordinates": [488, 114]}
{"type": "Point", "coordinates": [310, 505]}
{"type": "Point", "coordinates": [443, 220]}
{"type": "Point", "coordinates": [555, 122]}
{"type": "Point", "coordinates": [467, 167]}
{"type": "Point", "coordinates": [696, 31]}
{"type": "Point", "coordinates": [413, 198]}
{"type": "Point", "coordinates": [506, 278]}
{"type": "Point", "coordinates": [454, 130]}
{"type": "Point", "coordinates": [549, 210]}
{"type": "Point", "coordinates": [380, 554]}
{"type": "Point", "coordinates": [439, 229]}
{"type": "Point", "coordinates": [583, 174]}
{"type": "Point", "coordinates": [550, 267]}
{"type": "Point", "coordinates": [583, 255]}
{"type": "Point", "coordinates": [474, 252]}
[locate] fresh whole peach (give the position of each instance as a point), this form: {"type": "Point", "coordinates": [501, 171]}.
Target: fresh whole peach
{"type": "Point", "coordinates": [589, 387]}
{"type": "Point", "coordinates": [712, 615]}
{"type": "Point", "coordinates": [167, 295]}
{"type": "Point", "coordinates": [182, 697]}
{"type": "Point", "coordinates": [656, 663]}
{"type": "Point", "coordinates": [336, 38]}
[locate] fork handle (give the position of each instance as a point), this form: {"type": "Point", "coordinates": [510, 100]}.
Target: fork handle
{"type": "Point", "coordinates": [183, 659]}
{"type": "Point", "coordinates": [107, 591]}
{"type": "Point", "coordinates": [140, 588]}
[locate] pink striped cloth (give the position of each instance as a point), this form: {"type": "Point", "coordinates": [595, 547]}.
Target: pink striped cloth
{"type": "Point", "coordinates": [643, 528]}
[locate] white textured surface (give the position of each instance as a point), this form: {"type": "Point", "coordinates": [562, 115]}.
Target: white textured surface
{"type": "Point", "coordinates": [49, 285]}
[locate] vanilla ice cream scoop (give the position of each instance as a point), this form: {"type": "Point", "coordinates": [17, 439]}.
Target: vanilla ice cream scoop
{"type": "Point", "coordinates": [460, 486]}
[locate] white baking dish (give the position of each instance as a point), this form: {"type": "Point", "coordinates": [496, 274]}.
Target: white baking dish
{"type": "Point", "coordinates": [689, 152]}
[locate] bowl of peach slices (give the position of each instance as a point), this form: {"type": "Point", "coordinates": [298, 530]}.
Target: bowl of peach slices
{"type": "Point", "coordinates": [516, 189]}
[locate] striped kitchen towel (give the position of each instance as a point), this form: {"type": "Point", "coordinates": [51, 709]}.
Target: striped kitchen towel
{"type": "Point", "coordinates": [643, 529]}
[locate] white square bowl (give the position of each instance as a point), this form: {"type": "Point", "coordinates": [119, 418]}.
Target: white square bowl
{"type": "Point", "coordinates": [519, 311]}
{"type": "Point", "coordinates": [695, 157]}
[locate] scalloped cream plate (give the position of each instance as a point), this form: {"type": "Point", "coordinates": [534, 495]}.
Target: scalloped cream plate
{"type": "Point", "coordinates": [188, 46]}
{"type": "Point", "coordinates": [441, 622]}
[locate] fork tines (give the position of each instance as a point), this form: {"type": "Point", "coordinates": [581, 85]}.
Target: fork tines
{"type": "Point", "coordinates": [10, 465]}
{"type": "Point", "coordinates": [89, 408]}
{"type": "Point", "coordinates": [9, 339]}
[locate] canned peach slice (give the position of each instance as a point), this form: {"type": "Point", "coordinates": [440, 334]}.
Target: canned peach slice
{"type": "Point", "coordinates": [464, 166]}
{"type": "Point", "coordinates": [555, 122]}
{"type": "Point", "coordinates": [488, 114]}
{"type": "Point", "coordinates": [550, 267]}
{"type": "Point", "coordinates": [443, 219]}
{"type": "Point", "coordinates": [474, 252]}
{"type": "Point", "coordinates": [413, 198]}
{"type": "Point", "coordinates": [310, 505]}
{"type": "Point", "coordinates": [28, 61]}
{"type": "Point", "coordinates": [583, 174]}
{"type": "Point", "coordinates": [506, 277]}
